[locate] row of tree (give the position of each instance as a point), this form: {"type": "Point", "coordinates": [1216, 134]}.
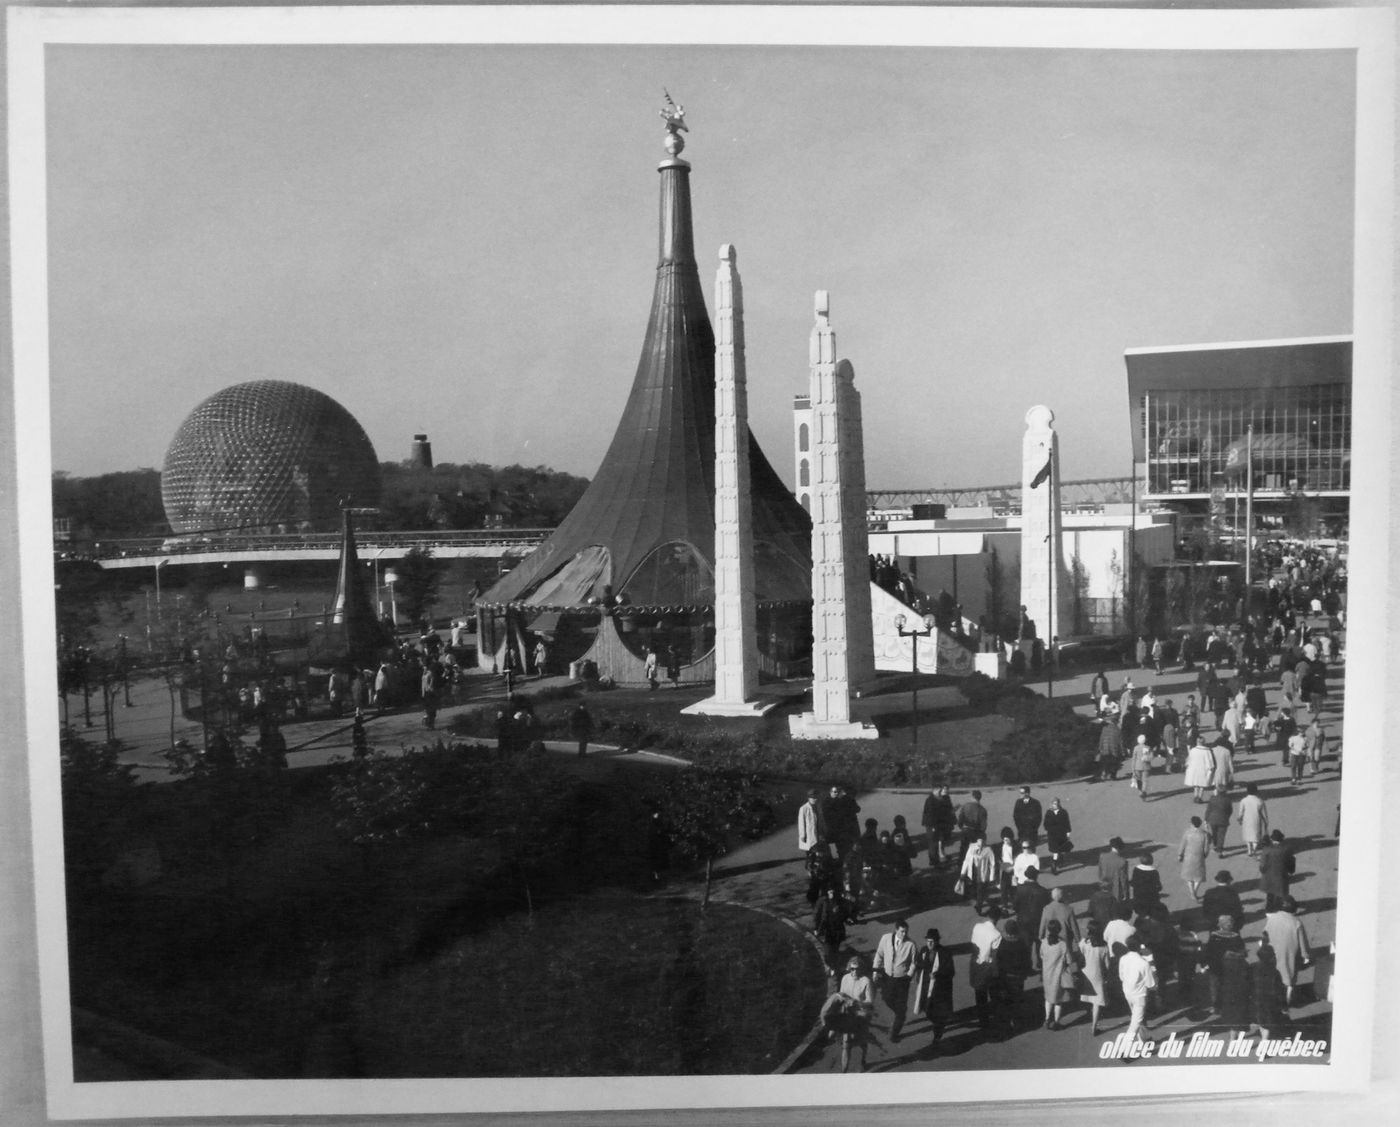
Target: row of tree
{"type": "Point", "coordinates": [447, 496]}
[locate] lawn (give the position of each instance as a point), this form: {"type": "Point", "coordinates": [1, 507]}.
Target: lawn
{"type": "Point", "coordinates": [598, 987]}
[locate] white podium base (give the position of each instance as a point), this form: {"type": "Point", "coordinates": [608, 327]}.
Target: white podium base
{"type": "Point", "coordinates": [992, 664]}
{"type": "Point", "coordinates": [805, 727]}
{"type": "Point", "coordinates": [713, 706]}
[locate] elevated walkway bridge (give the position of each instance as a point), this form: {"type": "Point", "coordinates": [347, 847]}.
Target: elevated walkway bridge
{"type": "Point", "coordinates": [118, 555]}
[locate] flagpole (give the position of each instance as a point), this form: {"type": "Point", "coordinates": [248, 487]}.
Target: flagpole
{"type": "Point", "coordinates": [1050, 577]}
{"type": "Point", "coordinates": [1248, 516]}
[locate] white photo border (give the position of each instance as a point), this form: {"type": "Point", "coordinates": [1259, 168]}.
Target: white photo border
{"type": "Point", "coordinates": [1367, 32]}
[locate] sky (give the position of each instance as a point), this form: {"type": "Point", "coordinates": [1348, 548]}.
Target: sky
{"type": "Point", "coordinates": [462, 240]}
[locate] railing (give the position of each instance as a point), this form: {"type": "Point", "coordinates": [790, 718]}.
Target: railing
{"type": "Point", "coordinates": [322, 541]}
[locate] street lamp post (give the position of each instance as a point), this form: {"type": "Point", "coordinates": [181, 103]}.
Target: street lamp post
{"type": "Point", "coordinates": [916, 634]}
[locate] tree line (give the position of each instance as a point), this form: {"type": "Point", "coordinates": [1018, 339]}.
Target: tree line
{"type": "Point", "coordinates": [447, 496]}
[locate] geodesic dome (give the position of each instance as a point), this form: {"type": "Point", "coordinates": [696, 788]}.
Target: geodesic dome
{"type": "Point", "coordinates": [267, 456]}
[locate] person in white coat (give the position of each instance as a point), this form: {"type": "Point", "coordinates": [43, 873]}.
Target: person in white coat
{"type": "Point", "coordinates": [1224, 773]}
{"type": "Point", "coordinates": [1253, 818]}
{"type": "Point", "coordinates": [1200, 769]}
{"type": "Point", "coordinates": [807, 835]}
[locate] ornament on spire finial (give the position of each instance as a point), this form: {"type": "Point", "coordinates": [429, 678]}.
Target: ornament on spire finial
{"type": "Point", "coordinates": [674, 117]}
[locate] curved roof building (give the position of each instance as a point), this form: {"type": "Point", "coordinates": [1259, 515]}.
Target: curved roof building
{"type": "Point", "coordinates": [267, 456]}
{"type": "Point", "coordinates": [644, 530]}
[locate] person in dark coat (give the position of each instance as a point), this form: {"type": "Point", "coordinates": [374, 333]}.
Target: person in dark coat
{"type": "Point", "coordinates": [829, 917]}
{"type": "Point", "coordinates": [1276, 865]}
{"type": "Point", "coordinates": [581, 727]}
{"type": "Point", "coordinates": [1146, 884]}
{"type": "Point", "coordinates": [1221, 899]}
{"type": "Point", "coordinates": [1026, 814]}
{"type": "Point", "coordinates": [658, 845]}
{"type": "Point", "coordinates": [1219, 808]}
{"type": "Point", "coordinates": [1110, 753]}
{"type": "Point", "coordinates": [1225, 938]}
{"type": "Point", "coordinates": [971, 823]}
{"type": "Point", "coordinates": [1057, 829]}
{"type": "Point", "coordinates": [933, 984]}
{"type": "Point", "coordinates": [1269, 996]}
{"type": "Point", "coordinates": [844, 828]}
{"type": "Point", "coordinates": [1113, 867]}
{"type": "Point", "coordinates": [1014, 966]}
{"type": "Point", "coordinates": [938, 819]}
{"type": "Point", "coordinates": [1103, 905]}
{"type": "Point", "coordinates": [1030, 899]}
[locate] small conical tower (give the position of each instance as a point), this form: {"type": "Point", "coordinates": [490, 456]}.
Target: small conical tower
{"type": "Point", "coordinates": [358, 634]}
{"type": "Point", "coordinates": [640, 542]}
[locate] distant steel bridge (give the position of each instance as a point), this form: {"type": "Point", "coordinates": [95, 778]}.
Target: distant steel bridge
{"type": "Point", "coordinates": [493, 543]}
{"type": "Point", "coordinates": [1073, 494]}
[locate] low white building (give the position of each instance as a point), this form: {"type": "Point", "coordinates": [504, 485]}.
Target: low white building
{"type": "Point", "coordinates": [976, 558]}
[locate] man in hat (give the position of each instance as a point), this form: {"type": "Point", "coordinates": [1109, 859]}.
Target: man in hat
{"type": "Point", "coordinates": [1221, 899]}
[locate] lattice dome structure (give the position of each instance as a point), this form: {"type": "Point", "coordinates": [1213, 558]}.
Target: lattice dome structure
{"type": "Point", "coordinates": [267, 456]}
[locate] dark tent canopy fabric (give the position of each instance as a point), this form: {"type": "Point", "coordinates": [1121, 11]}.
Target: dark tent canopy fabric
{"type": "Point", "coordinates": [655, 488]}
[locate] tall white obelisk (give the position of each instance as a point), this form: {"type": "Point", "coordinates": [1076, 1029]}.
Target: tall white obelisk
{"type": "Point", "coordinates": [1041, 550]}
{"type": "Point", "coordinates": [736, 636]}
{"type": "Point", "coordinates": [843, 646]}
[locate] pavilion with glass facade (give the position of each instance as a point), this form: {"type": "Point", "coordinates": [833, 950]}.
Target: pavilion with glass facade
{"type": "Point", "coordinates": [1203, 415]}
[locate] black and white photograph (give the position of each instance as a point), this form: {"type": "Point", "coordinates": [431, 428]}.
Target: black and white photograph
{"type": "Point", "coordinates": [597, 559]}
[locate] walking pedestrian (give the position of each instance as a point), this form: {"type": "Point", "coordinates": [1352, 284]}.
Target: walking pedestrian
{"type": "Point", "coordinates": [1217, 817]}
{"type": "Point", "coordinates": [1057, 830]}
{"type": "Point", "coordinates": [1146, 884]}
{"type": "Point", "coordinates": [1289, 939]}
{"type": "Point", "coordinates": [849, 1018]}
{"type": "Point", "coordinates": [979, 870]}
{"type": "Point", "coordinates": [1110, 753]}
{"type": "Point", "coordinates": [971, 822]}
{"type": "Point", "coordinates": [1026, 815]}
{"type": "Point", "coordinates": [1031, 900]}
{"type": "Point", "coordinates": [1195, 848]}
{"type": "Point", "coordinates": [982, 967]}
{"type": "Point", "coordinates": [1055, 969]}
{"type": "Point", "coordinates": [938, 819]}
{"type": "Point", "coordinates": [1137, 978]}
{"type": "Point", "coordinates": [1113, 868]}
{"type": "Point", "coordinates": [649, 668]}
{"type": "Point", "coordinates": [1142, 766]}
{"type": "Point", "coordinates": [1253, 818]}
{"type": "Point", "coordinates": [1276, 865]}
{"type": "Point", "coordinates": [894, 969]}
{"type": "Point", "coordinates": [1221, 899]}
{"type": "Point", "coordinates": [932, 990]}
{"type": "Point", "coordinates": [1095, 955]}
{"type": "Point", "coordinates": [581, 727]}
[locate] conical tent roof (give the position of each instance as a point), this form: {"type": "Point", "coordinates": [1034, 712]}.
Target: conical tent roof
{"type": "Point", "coordinates": [359, 634]}
{"type": "Point", "coordinates": [646, 524]}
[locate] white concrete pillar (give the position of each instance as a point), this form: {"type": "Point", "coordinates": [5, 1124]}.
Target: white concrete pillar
{"type": "Point", "coordinates": [1042, 580]}
{"type": "Point", "coordinates": [843, 648]}
{"type": "Point", "coordinates": [736, 634]}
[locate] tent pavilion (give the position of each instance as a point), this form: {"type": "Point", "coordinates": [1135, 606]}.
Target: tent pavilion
{"type": "Point", "coordinates": [632, 566]}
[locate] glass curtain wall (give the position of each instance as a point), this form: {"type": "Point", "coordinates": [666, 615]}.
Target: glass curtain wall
{"type": "Point", "coordinates": [1301, 443]}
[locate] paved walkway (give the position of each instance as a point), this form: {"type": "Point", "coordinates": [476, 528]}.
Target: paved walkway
{"type": "Point", "coordinates": [772, 874]}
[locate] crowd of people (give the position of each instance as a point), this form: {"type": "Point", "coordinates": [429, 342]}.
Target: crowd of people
{"type": "Point", "coordinates": [1122, 951]}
